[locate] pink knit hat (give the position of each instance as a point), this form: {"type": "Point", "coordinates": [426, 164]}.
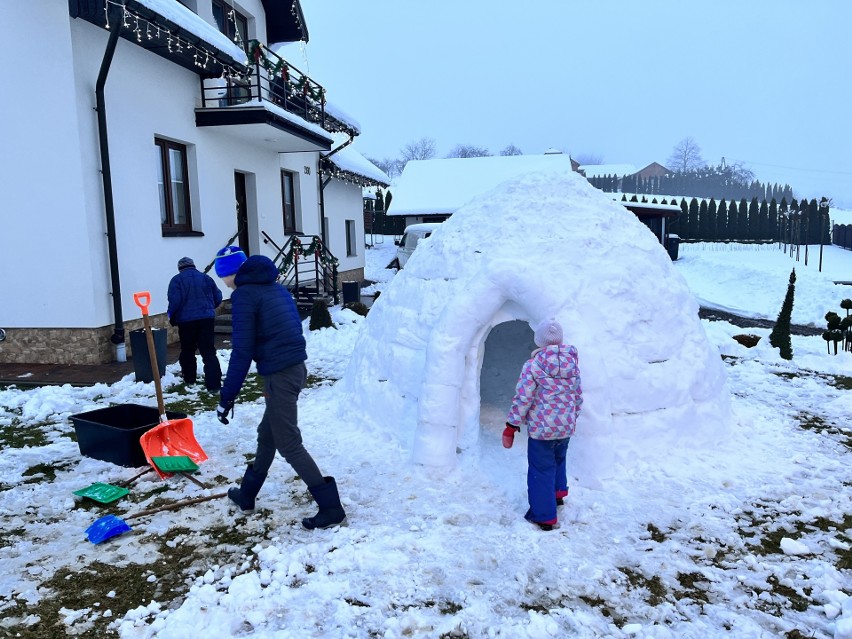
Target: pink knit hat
{"type": "Point", "coordinates": [548, 332]}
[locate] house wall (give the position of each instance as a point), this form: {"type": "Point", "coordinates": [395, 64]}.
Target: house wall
{"type": "Point", "coordinates": [344, 201]}
{"type": "Point", "coordinates": [46, 271]}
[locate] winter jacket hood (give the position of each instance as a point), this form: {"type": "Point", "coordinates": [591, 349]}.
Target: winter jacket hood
{"type": "Point", "coordinates": [258, 269]}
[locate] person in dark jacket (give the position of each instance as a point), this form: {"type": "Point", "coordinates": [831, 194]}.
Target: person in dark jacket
{"type": "Point", "coordinates": [267, 329]}
{"type": "Point", "coordinates": [193, 300]}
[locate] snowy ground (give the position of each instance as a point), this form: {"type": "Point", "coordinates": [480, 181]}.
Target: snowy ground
{"type": "Point", "coordinates": [748, 539]}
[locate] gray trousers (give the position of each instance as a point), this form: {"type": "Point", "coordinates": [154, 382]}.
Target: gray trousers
{"type": "Point", "coordinates": [279, 429]}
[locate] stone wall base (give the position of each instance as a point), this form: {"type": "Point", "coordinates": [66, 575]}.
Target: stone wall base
{"type": "Point", "coordinates": [71, 345]}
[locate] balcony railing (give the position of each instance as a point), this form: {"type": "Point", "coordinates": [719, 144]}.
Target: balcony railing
{"type": "Point", "coordinates": [272, 79]}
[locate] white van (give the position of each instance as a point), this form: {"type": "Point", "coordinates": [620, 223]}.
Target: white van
{"type": "Point", "coordinates": [411, 237]}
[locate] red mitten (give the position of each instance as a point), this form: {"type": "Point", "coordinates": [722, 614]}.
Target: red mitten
{"type": "Point", "coordinates": [509, 435]}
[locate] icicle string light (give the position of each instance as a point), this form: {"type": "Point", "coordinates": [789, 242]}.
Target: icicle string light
{"type": "Point", "coordinates": [202, 56]}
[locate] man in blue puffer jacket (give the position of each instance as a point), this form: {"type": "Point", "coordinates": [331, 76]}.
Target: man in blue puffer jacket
{"type": "Point", "coordinates": [267, 329]}
{"type": "Point", "coordinates": [193, 300]}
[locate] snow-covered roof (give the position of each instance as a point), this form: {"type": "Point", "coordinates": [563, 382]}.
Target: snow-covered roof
{"type": "Point", "coordinates": [442, 186]}
{"type": "Point", "coordinates": [598, 170]}
{"type": "Point", "coordinates": [649, 205]}
{"type": "Point", "coordinates": [193, 23]}
{"type": "Point", "coordinates": [339, 114]}
{"type": "Point", "coordinates": [352, 162]}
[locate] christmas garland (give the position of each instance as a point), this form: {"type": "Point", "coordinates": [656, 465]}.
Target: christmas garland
{"type": "Point", "coordinates": [315, 249]}
{"type": "Point", "coordinates": [303, 85]}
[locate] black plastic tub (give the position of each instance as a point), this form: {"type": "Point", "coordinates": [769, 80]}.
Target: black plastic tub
{"type": "Point", "coordinates": [112, 434]}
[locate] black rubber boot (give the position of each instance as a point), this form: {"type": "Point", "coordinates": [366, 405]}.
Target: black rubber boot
{"type": "Point", "coordinates": [330, 512]}
{"type": "Point", "coordinates": [250, 486]}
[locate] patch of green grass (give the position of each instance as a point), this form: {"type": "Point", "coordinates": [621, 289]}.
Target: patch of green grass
{"type": "Point", "coordinates": [656, 590]}
{"type": "Point", "coordinates": [10, 537]}
{"type": "Point", "coordinates": [43, 472]}
{"type": "Point", "coordinates": [604, 608]}
{"type": "Point", "coordinates": [819, 425]}
{"type": "Point", "coordinates": [314, 381]}
{"type": "Point", "coordinates": [199, 401]}
{"type": "Point", "coordinates": [690, 581]}
{"type": "Point", "coordinates": [843, 382]}
{"type": "Point", "coordinates": [20, 434]}
{"type": "Point", "coordinates": [356, 602]}
{"type": "Point", "coordinates": [798, 602]}
{"type": "Point", "coordinates": [182, 554]}
{"type": "Point", "coordinates": [656, 534]}
{"type": "Point", "coordinates": [764, 540]}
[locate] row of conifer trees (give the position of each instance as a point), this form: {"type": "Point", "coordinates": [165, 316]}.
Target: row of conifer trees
{"type": "Point", "coordinates": [796, 222]}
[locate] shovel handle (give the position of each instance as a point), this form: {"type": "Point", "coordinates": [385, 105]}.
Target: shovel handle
{"type": "Point", "coordinates": [175, 505]}
{"type": "Point", "coordinates": [127, 482]}
{"type": "Point", "coordinates": [143, 301]}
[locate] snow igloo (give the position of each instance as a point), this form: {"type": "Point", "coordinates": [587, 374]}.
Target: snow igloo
{"type": "Point", "coordinates": [439, 353]}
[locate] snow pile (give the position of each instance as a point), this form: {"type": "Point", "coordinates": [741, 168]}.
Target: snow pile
{"type": "Point", "coordinates": [542, 245]}
{"type": "Point", "coordinates": [767, 268]}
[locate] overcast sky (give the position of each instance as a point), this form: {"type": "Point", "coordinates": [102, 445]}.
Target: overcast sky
{"type": "Point", "coordinates": [764, 82]}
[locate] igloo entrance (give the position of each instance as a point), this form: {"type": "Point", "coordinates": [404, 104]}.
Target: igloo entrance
{"type": "Point", "coordinates": [506, 348]}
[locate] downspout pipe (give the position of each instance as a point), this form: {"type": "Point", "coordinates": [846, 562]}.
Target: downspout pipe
{"type": "Point", "coordinates": [117, 337]}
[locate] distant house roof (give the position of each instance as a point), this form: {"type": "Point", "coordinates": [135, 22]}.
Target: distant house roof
{"type": "Point", "coordinates": [599, 170]}
{"type": "Point", "coordinates": [349, 165]}
{"type": "Point", "coordinates": [654, 169]}
{"type": "Point", "coordinates": [429, 187]}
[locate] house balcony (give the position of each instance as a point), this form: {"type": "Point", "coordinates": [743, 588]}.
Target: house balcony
{"type": "Point", "coordinates": [252, 94]}
{"type": "Point", "coordinates": [274, 105]}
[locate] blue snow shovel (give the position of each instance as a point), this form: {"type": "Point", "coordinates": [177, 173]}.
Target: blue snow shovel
{"type": "Point", "coordinates": [110, 526]}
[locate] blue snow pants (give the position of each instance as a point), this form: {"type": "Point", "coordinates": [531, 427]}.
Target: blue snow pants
{"type": "Point", "coordinates": [546, 475]}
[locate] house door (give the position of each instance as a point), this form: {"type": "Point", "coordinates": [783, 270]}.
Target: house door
{"type": "Point", "coordinates": [242, 211]}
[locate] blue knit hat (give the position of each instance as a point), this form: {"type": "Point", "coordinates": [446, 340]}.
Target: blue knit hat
{"type": "Point", "coordinates": [229, 260]}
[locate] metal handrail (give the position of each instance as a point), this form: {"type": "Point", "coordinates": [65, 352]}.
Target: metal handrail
{"type": "Point", "coordinates": [228, 243]}
{"type": "Point", "coordinates": [322, 268]}
{"type": "Point", "coordinates": [272, 79]}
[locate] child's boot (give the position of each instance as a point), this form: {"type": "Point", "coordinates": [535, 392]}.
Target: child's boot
{"type": "Point", "coordinates": [331, 511]}
{"type": "Point", "coordinates": [244, 495]}
{"type": "Point", "coordinates": [547, 525]}
{"type": "Point", "coordinates": [560, 497]}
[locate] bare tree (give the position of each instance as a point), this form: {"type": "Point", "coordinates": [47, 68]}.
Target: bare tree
{"type": "Point", "coordinates": [511, 150]}
{"type": "Point", "coordinates": [391, 166]}
{"type": "Point", "coordinates": [468, 151]}
{"type": "Point", "coordinates": [589, 158]}
{"type": "Point", "coordinates": [686, 156]}
{"type": "Point", "coordinates": [740, 172]}
{"type": "Point", "coordinates": [422, 149]}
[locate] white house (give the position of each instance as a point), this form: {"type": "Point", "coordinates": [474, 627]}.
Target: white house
{"type": "Point", "coordinates": [152, 130]}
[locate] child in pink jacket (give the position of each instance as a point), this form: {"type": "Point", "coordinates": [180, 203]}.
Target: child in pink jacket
{"type": "Point", "coordinates": [547, 399]}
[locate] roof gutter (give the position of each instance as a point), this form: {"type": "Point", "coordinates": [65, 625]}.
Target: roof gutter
{"type": "Point", "coordinates": [117, 337]}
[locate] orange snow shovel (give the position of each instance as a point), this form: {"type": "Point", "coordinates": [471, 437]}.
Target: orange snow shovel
{"type": "Point", "coordinates": [169, 438]}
